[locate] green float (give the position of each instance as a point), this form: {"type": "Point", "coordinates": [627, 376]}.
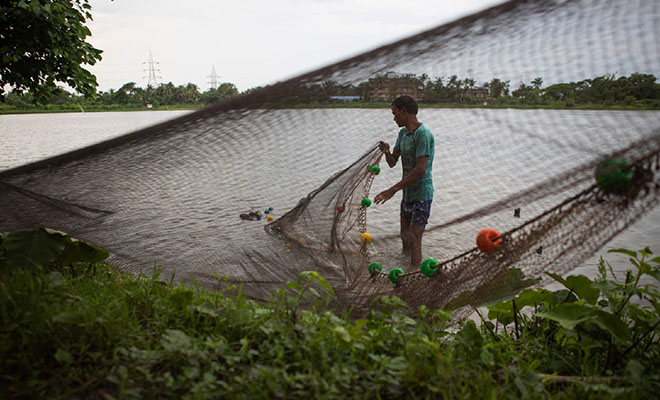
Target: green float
{"type": "Point", "coordinates": [614, 176]}
{"type": "Point", "coordinates": [375, 169]}
{"type": "Point", "coordinates": [394, 275]}
{"type": "Point", "coordinates": [428, 267]}
{"type": "Point", "coordinates": [373, 267]}
{"type": "Point", "coordinates": [366, 202]}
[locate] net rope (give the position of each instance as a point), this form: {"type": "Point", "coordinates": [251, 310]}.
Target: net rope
{"type": "Point", "coordinates": [170, 195]}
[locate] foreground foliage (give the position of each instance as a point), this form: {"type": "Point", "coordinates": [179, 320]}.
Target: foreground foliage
{"type": "Point", "coordinates": [74, 327]}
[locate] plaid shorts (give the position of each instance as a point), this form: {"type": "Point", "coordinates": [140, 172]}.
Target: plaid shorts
{"type": "Point", "coordinates": [416, 212]}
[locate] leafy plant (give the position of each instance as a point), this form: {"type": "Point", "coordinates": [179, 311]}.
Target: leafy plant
{"type": "Point", "coordinates": [69, 333]}
{"type": "Point", "coordinates": [603, 326]}
{"type": "Point", "coordinates": [41, 247]}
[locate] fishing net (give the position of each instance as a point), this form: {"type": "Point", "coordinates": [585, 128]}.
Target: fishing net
{"type": "Point", "coordinates": [171, 196]}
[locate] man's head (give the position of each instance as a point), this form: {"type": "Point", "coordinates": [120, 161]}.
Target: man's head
{"type": "Point", "coordinates": [403, 108]}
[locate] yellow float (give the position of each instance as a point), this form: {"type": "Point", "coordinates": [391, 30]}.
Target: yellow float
{"type": "Point", "coordinates": [366, 237]}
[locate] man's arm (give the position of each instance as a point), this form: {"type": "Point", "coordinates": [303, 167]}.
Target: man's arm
{"type": "Point", "coordinates": [416, 173]}
{"type": "Point", "coordinates": [392, 157]}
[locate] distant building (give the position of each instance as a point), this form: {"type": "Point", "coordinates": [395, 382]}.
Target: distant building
{"type": "Point", "coordinates": [392, 85]}
{"type": "Point", "coordinates": [479, 94]}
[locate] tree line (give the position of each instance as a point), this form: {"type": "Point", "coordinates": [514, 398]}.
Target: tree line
{"type": "Point", "coordinates": [609, 90]}
{"type": "Point", "coordinates": [636, 90]}
{"type": "Point", "coordinates": [128, 95]}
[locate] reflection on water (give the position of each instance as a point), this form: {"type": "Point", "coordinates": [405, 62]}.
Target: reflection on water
{"type": "Point", "coordinates": [26, 138]}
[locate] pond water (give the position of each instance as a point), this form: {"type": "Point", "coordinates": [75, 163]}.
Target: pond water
{"type": "Point", "coordinates": [324, 145]}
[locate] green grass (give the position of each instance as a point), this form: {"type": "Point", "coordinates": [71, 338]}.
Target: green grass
{"type": "Point", "coordinates": [74, 108]}
{"type": "Point", "coordinates": [74, 327]}
{"type": "Point", "coordinates": [89, 331]}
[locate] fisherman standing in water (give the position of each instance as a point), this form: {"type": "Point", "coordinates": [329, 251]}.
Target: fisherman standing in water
{"type": "Point", "coordinates": [416, 146]}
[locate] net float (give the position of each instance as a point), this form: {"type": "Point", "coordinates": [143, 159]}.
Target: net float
{"type": "Point", "coordinates": [366, 237]}
{"type": "Point", "coordinates": [366, 202]}
{"type": "Point", "coordinates": [373, 267]}
{"type": "Point", "coordinates": [340, 209]}
{"type": "Point", "coordinates": [394, 274]}
{"type": "Point", "coordinates": [488, 239]}
{"type": "Point", "coordinates": [614, 176]}
{"type": "Point", "coordinates": [428, 267]}
{"type": "Point", "coordinates": [375, 169]}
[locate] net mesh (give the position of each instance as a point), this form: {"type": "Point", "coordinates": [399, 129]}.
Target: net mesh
{"type": "Point", "coordinates": [170, 195]}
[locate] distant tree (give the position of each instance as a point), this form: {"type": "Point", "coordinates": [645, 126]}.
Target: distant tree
{"type": "Point", "coordinates": [362, 89]}
{"type": "Point", "coordinates": [224, 91]}
{"type": "Point", "coordinates": [164, 94]}
{"type": "Point", "coordinates": [252, 89]}
{"type": "Point", "coordinates": [643, 86]}
{"type": "Point", "coordinates": [533, 96]}
{"type": "Point", "coordinates": [43, 42]}
{"type": "Point", "coordinates": [453, 88]}
{"type": "Point", "coordinates": [150, 92]}
{"type": "Point", "coordinates": [439, 90]}
{"type": "Point", "coordinates": [469, 83]}
{"type": "Point", "coordinates": [629, 100]}
{"type": "Point", "coordinates": [498, 88]}
{"type": "Point", "coordinates": [227, 90]}
{"type": "Point", "coordinates": [522, 92]}
{"type": "Point", "coordinates": [536, 83]}
{"type": "Point", "coordinates": [602, 89]}
{"type": "Point", "coordinates": [583, 91]}
{"type": "Point", "coordinates": [59, 96]}
{"type": "Point", "coordinates": [124, 94]}
{"type": "Point", "coordinates": [330, 88]}
{"type": "Point", "coordinates": [560, 92]}
{"type": "Point", "coordinates": [18, 100]}
{"type": "Point", "coordinates": [105, 97]}
{"type": "Point", "coordinates": [187, 94]}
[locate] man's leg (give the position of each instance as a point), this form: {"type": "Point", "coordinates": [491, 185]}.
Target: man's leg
{"type": "Point", "coordinates": [405, 236]}
{"type": "Point", "coordinates": [415, 235]}
{"type": "Point", "coordinates": [405, 215]}
{"type": "Point", "coordinates": [418, 220]}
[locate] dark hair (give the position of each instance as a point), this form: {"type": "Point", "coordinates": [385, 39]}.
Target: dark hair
{"type": "Point", "coordinates": [406, 102]}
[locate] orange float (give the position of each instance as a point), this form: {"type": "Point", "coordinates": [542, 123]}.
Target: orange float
{"type": "Point", "coordinates": [488, 239]}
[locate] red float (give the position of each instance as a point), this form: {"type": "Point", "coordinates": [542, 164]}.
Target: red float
{"type": "Point", "coordinates": [488, 239]}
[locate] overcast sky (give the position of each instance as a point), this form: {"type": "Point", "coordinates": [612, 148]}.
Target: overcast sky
{"type": "Point", "coordinates": [250, 42]}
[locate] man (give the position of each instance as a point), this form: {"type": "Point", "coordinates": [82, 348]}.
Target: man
{"type": "Point", "coordinates": [416, 146]}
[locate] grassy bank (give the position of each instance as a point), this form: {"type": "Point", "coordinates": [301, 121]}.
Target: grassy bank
{"type": "Point", "coordinates": [491, 105]}
{"type": "Point", "coordinates": [86, 330]}
{"type": "Point", "coordinates": [74, 108]}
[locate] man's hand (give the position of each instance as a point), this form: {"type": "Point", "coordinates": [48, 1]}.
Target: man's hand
{"type": "Point", "coordinates": [384, 147]}
{"type": "Point", "coordinates": [385, 195]}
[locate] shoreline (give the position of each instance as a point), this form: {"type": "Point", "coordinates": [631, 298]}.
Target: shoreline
{"type": "Point", "coordinates": [343, 105]}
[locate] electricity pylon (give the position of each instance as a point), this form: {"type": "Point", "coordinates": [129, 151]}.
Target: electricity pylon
{"type": "Point", "coordinates": [214, 78]}
{"type": "Point", "coordinates": [151, 68]}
